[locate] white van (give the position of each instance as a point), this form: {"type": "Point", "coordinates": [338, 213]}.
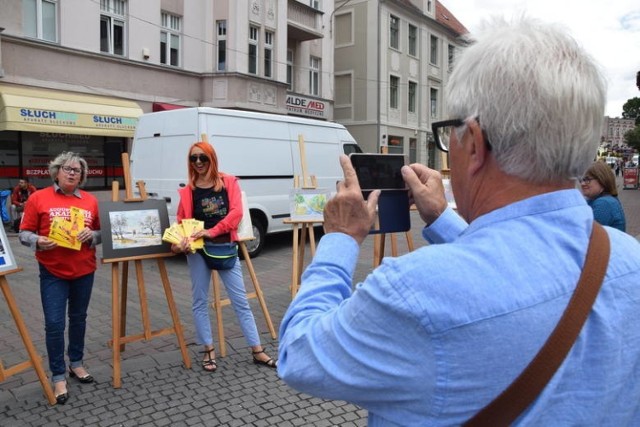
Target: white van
{"type": "Point", "coordinates": [261, 149]}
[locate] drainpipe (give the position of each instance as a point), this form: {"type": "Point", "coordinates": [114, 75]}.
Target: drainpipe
{"type": "Point", "coordinates": [378, 79]}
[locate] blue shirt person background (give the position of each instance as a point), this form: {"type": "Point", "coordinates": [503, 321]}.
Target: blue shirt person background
{"type": "Point", "coordinates": [598, 184]}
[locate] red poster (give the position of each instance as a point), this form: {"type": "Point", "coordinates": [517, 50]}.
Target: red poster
{"type": "Point", "coordinates": [630, 176]}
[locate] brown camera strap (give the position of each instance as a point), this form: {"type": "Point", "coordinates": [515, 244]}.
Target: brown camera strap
{"type": "Point", "coordinates": [505, 408]}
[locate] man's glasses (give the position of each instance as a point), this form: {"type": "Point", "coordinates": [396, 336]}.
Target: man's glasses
{"type": "Point", "coordinates": [442, 133]}
{"type": "Point", "coordinates": [69, 169]}
{"type": "Point", "coordinates": [585, 180]}
{"type": "Point", "coordinates": [195, 157]}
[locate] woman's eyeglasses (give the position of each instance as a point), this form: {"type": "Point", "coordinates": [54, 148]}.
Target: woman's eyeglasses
{"type": "Point", "coordinates": [195, 157]}
{"type": "Point", "coordinates": [585, 180]}
{"type": "Point", "coordinates": [69, 169]}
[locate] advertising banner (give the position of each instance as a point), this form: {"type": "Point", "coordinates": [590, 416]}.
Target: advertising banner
{"type": "Point", "coordinates": [630, 176]}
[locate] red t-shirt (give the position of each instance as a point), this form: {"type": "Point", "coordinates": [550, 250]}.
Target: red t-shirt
{"type": "Point", "coordinates": [46, 204]}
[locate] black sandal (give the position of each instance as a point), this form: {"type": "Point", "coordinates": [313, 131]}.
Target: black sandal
{"type": "Point", "coordinates": [209, 364]}
{"type": "Point", "coordinates": [271, 363]}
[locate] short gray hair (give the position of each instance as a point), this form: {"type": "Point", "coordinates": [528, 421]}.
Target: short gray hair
{"type": "Point", "coordinates": [536, 93]}
{"type": "Point", "coordinates": [68, 157]}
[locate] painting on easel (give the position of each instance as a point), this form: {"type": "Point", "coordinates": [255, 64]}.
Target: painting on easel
{"type": "Point", "coordinates": [131, 229]}
{"type": "Point", "coordinates": [308, 204]}
{"type": "Point", "coordinates": [7, 261]}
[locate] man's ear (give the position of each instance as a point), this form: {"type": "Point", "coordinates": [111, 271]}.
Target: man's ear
{"type": "Point", "coordinates": [478, 152]}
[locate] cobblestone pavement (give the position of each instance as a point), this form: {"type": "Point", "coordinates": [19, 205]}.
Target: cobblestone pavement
{"type": "Point", "coordinates": [156, 388]}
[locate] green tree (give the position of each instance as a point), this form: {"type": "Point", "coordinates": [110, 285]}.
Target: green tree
{"type": "Point", "coordinates": [631, 110]}
{"type": "Point", "coordinates": [632, 138]}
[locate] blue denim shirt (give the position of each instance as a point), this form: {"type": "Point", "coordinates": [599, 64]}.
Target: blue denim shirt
{"type": "Point", "coordinates": [431, 337]}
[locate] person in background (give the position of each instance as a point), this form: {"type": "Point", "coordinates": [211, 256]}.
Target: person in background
{"type": "Point", "coordinates": [215, 198]}
{"type": "Point", "coordinates": [66, 275]}
{"type": "Point", "coordinates": [433, 336]}
{"type": "Point", "coordinates": [19, 196]}
{"type": "Point", "coordinates": [599, 188]}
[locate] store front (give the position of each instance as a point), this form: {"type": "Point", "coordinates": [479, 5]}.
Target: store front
{"type": "Point", "coordinates": [36, 125]}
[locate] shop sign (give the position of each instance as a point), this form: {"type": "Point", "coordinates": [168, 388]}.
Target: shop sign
{"type": "Point", "coordinates": [61, 118]}
{"type": "Point", "coordinates": [306, 106]}
{"type": "Point", "coordinates": [43, 172]}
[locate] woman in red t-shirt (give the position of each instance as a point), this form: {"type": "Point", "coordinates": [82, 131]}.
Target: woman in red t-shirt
{"type": "Point", "coordinates": [67, 262]}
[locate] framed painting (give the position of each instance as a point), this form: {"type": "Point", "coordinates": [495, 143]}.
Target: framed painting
{"type": "Point", "coordinates": [7, 260]}
{"type": "Point", "coordinates": [133, 229]}
{"type": "Point", "coordinates": [308, 204]}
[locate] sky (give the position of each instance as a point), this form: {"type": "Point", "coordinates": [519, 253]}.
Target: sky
{"type": "Point", "coordinates": [608, 29]}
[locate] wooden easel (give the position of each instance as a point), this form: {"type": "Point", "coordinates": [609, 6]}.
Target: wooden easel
{"type": "Point", "coordinates": [305, 226]}
{"type": "Point", "coordinates": [34, 359]}
{"type": "Point", "coordinates": [119, 305]}
{"type": "Point", "coordinates": [218, 303]}
{"type": "Point", "coordinates": [379, 239]}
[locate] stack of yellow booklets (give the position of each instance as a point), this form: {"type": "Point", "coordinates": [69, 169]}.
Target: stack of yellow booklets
{"type": "Point", "coordinates": [177, 232]}
{"type": "Point", "coordinates": [64, 232]}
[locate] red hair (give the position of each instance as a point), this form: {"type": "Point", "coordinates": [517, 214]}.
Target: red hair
{"type": "Point", "coordinates": [213, 174]}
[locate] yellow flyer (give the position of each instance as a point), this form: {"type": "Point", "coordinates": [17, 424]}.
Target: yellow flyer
{"type": "Point", "coordinates": [190, 226]}
{"type": "Point", "coordinates": [62, 233]}
{"type": "Point", "coordinates": [173, 234]}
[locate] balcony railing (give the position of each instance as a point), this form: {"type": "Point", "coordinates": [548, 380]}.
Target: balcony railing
{"type": "Point", "coordinates": [303, 21]}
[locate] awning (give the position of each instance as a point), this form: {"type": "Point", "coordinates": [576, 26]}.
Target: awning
{"type": "Point", "coordinates": [39, 110]}
{"type": "Point", "coordinates": [163, 106]}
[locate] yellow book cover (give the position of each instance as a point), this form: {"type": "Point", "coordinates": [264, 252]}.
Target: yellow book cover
{"type": "Point", "coordinates": [61, 231]}
{"type": "Point", "coordinates": [77, 219]}
{"type": "Point", "coordinates": [173, 234]}
{"type": "Point", "coordinates": [170, 237]}
{"type": "Point", "coordinates": [191, 226]}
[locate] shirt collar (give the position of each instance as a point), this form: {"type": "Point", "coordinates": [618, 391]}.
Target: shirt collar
{"type": "Point", "coordinates": [76, 192]}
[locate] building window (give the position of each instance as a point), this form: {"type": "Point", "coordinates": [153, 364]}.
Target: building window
{"type": "Point", "coordinates": [396, 145]}
{"type": "Point", "coordinates": [112, 26]}
{"type": "Point", "coordinates": [314, 4]}
{"type": "Point", "coordinates": [268, 54]}
{"type": "Point", "coordinates": [413, 150]}
{"type": "Point", "coordinates": [253, 50]}
{"type": "Point", "coordinates": [343, 90]}
{"type": "Point", "coordinates": [314, 76]}
{"type": "Point", "coordinates": [394, 30]}
{"type": "Point", "coordinates": [290, 69]}
{"type": "Point", "coordinates": [170, 40]}
{"type": "Point", "coordinates": [39, 18]}
{"type": "Point", "coordinates": [222, 45]}
{"type": "Point", "coordinates": [433, 100]}
{"type": "Point", "coordinates": [429, 6]}
{"type": "Point", "coordinates": [413, 40]}
{"type": "Point", "coordinates": [413, 90]}
{"type": "Point", "coordinates": [434, 50]}
{"type": "Point", "coordinates": [394, 82]}
{"type": "Point", "coordinates": [344, 29]}
{"type": "Point", "coordinates": [451, 55]}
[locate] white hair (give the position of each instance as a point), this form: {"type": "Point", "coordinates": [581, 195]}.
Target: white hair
{"type": "Point", "coordinates": [538, 96]}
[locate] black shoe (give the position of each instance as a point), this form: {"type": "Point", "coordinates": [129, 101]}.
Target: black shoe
{"type": "Point", "coordinates": [85, 380]}
{"type": "Point", "coordinates": [271, 363]}
{"type": "Point", "coordinates": [61, 399]}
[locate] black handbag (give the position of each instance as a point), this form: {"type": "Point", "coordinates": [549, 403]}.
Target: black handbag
{"type": "Point", "coordinates": [219, 256]}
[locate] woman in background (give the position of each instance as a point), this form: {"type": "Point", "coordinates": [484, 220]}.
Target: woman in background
{"type": "Point", "coordinates": [66, 275]}
{"type": "Point", "coordinates": [215, 198]}
{"type": "Point", "coordinates": [598, 186]}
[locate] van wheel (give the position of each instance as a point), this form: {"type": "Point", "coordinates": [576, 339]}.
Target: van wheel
{"type": "Point", "coordinates": [254, 247]}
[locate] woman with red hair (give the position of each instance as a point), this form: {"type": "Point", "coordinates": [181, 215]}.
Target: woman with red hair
{"type": "Point", "coordinates": [215, 198]}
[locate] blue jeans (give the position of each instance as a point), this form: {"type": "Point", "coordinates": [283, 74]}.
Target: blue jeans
{"type": "Point", "coordinates": [234, 284]}
{"type": "Point", "coordinates": [55, 294]}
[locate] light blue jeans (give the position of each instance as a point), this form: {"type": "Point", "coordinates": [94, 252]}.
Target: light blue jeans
{"type": "Point", "coordinates": [234, 284]}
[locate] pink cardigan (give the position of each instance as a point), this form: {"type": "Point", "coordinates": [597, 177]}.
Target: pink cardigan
{"type": "Point", "coordinates": [229, 223]}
